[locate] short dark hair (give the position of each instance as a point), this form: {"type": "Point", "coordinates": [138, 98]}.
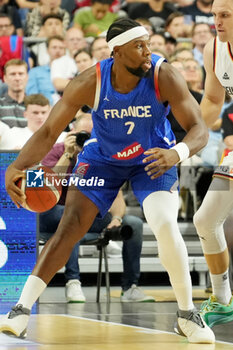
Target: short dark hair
{"type": "Point", "coordinates": [36, 99]}
{"type": "Point", "coordinates": [52, 15]}
{"type": "Point", "coordinates": [120, 26]}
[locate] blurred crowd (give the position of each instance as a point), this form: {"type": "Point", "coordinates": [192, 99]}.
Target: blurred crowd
{"type": "Point", "coordinates": [46, 43]}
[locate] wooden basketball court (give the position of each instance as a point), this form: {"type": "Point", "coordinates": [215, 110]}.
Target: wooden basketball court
{"type": "Point", "coordinates": [52, 332]}
{"type": "Point", "coordinates": [101, 326]}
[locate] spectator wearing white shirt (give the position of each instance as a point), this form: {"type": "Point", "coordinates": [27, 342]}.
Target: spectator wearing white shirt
{"type": "Point", "coordinates": [64, 68]}
{"type": "Point", "coordinates": [37, 109]}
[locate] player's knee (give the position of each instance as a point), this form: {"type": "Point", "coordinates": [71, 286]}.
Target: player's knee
{"type": "Point", "coordinates": [203, 223]}
{"type": "Point", "coordinates": [211, 233]}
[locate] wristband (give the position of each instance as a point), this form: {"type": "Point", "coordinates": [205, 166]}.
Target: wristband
{"type": "Point", "coordinates": [182, 149]}
{"type": "Point", "coordinates": [118, 218]}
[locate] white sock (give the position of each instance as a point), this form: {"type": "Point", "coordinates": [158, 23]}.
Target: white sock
{"type": "Point", "coordinates": [221, 287]}
{"type": "Point", "coordinates": [32, 289]}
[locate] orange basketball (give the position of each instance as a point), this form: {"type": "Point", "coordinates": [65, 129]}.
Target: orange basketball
{"type": "Point", "coordinates": [42, 188]}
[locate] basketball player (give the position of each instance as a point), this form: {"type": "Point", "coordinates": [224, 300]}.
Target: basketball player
{"type": "Point", "coordinates": [131, 139]}
{"type": "Point", "coordinates": [218, 202]}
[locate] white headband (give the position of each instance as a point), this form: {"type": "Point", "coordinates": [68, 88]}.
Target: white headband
{"type": "Point", "coordinates": [127, 36]}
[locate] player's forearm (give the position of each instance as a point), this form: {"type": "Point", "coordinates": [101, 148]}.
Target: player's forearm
{"type": "Point", "coordinates": [196, 138]}
{"type": "Point", "coordinates": [210, 111]}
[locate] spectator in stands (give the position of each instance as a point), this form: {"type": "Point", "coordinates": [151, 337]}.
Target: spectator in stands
{"type": "Point", "coordinates": [157, 41]}
{"type": "Point", "coordinates": [35, 17]}
{"type": "Point", "coordinates": [63, 69]}
{"type": "Point", "coordinates": [96, 19]}
{"type": "Point", "coordinates": [6, 26]}
{"type": "Point", "coordinates": [156, 11]}
{"type": "Point", "coordinates": [12, 103]}
{"type": "Point", "coordinates": [36, 112]}
{"type": "Point", "coordinates": [175, 26]}
{"type": "Point", "coordinates": [11, 46]}
{"type": "Point", "coordinates": [201, 34]}
{"type": "Point", "coordinates": [12, 12]}
{"type": "Point", "coordinates": [183, 54]}
{"type": "Point", "coordinates": [199, 11]}
{"type": "Point", "coordinates": [193, 75]}
{"type": "Point", "coordinates": [100, 49]}
{"type": "Point", "coordinates": [62, 159]}
{"type": "Point", "coordinates": [52, 25]}
{"type": "Point", "coordinates": [83, 59]}
{"type": "Point", "coordinates": [39, 78]}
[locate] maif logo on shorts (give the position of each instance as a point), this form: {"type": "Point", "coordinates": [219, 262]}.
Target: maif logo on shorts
{"type": "Point", "coordinates": [82, 169]}
{"type": "Point", "coordinates": [35, 178]}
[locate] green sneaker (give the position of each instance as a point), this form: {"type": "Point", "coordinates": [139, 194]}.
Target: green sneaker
{"type": "Point", "coordinates": [215, 313]}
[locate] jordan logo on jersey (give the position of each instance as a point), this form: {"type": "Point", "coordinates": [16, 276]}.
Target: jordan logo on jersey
{"type": "Point", "coordinates": [129, 152]}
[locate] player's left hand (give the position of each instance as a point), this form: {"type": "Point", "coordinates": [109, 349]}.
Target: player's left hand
{"type": "Point", "coordinates": [161, 160]}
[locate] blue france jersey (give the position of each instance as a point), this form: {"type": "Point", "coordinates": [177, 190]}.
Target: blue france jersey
{"type": "Point", "coordinates": [126, 125]}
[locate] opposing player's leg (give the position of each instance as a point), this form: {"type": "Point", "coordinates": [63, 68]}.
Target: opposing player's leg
{"type": "Point", "coordinates": [78, 216]}
{"type": "Point", "coordinates": [161, 210]}
{"type": "Point", "coordinates": [209, 220]}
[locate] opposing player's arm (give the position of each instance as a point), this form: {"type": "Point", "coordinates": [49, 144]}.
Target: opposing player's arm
{"type": "Point", "coordinates": [174, 90]}
{"type": "Point", "coordinates": [79, 92]}
{"type": "Point", "coordinates": [214, 93]}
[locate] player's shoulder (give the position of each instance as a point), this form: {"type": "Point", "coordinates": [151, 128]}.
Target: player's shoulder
{"type": "Point", "coordinates": [85, 80]}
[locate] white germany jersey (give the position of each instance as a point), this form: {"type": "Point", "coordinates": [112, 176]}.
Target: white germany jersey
{"type": "Point", "coordinates": [223, 64]}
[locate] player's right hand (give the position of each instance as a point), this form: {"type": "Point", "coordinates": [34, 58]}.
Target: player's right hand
{"type": "Point", "coordinates": [11, 177]}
